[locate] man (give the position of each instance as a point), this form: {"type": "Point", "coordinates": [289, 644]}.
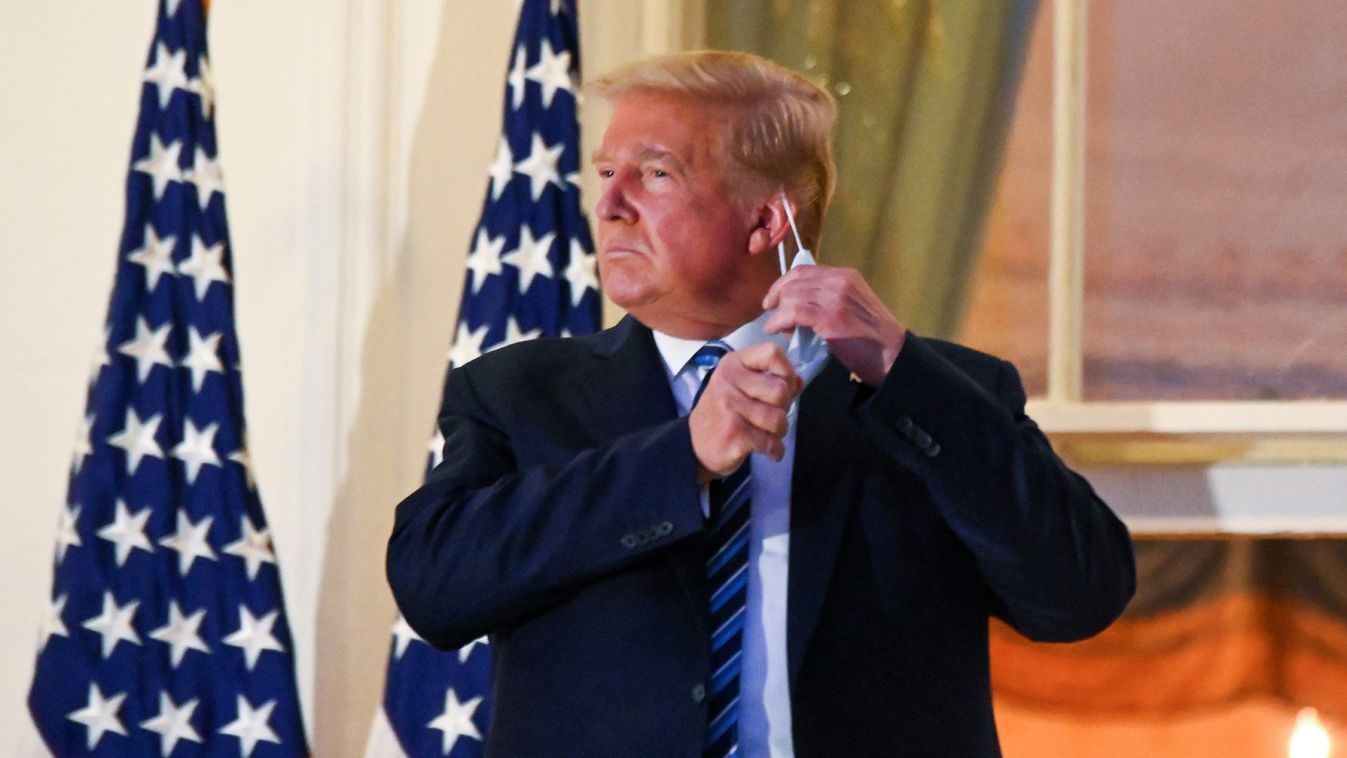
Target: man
{"type": "Point", "coordinates": [665, 562]}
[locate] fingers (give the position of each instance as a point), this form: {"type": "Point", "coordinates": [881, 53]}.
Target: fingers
{"type": "Point", "coordinates": [770, 389]}
{"type": "Point", "coordinates": [841, 308]}
{"type": "Point", "coordinates": [818, 278]}
{"type": "Point", "coordinates": [744, 409]}
{"type": "Point", "coordinates": [764, 417]}
{"type": "Point", "coordinates": [758, 387]}
{"type": "Point", "coordinates": [769, 359]}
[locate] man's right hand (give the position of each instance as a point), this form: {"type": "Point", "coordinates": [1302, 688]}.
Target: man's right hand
{"type": "Point", "coordinates": [743, 410]}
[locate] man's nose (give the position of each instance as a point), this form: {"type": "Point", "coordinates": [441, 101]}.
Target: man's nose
{"type": "Point", "coordinates": [613, 204]}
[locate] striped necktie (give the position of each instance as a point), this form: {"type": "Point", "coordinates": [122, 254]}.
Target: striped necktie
{"type": "Point", "coordinates": [727, 574]}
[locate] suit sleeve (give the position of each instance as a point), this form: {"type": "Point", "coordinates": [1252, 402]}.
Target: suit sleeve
{"type": "Point", "coordinates": [485, 543]}
{"type": "Point", "coordinates": [1056, 558]}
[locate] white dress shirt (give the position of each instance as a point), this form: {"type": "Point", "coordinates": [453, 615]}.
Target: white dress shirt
{"type": "Point", "coordinates": [764, 684]}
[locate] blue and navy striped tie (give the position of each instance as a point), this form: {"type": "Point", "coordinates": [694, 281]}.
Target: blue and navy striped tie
{"type": "Point", "coordinates": [727, 572]}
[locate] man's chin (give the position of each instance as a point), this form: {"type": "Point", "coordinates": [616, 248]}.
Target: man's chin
{"type": "Point", "coordinates": [628, 286]}
{"type": "Point", "coordinates": [629, 299]}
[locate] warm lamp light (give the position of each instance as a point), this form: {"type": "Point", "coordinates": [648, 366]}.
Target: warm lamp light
{"type": "Point", "coordinates": [1309, 739]}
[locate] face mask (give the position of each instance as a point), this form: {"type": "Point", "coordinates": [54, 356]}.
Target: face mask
{"type": "Point", "coordinates": [807, 352]}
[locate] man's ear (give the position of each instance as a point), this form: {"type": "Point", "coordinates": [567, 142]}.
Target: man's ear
{"type": "Point", "coordinates": [770, 227]}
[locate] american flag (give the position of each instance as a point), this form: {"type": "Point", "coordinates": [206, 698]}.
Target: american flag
{"type": "Point", "coordinates": [166, 634]}
{"type": "Point", "coordinates": [531, 273]}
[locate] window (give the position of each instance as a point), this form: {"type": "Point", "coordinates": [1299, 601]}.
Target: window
{"type": "Point", "coordinates": [1164, 254]}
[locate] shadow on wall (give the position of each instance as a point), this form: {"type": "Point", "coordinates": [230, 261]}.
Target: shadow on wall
{"type": "Point", "coordinates": [402, 365]}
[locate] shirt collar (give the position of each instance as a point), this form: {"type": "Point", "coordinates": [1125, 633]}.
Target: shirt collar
{"type": "Point", "coordinates": [677, 351]}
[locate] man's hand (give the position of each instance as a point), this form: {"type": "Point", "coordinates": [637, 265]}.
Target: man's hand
{"type": "Point", "coordinates": [743, 410]}
{"type": "Point", "coordinates": [842, 309]}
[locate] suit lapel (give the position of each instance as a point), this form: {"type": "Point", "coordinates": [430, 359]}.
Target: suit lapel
{"type": "Point", "coordinates": [626, 389]}
{"type": "Point", "coordinates": [821, 499]}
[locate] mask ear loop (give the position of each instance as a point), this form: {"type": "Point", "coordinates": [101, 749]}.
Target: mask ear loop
{"type": "Point", "coordinates": [781, 246]}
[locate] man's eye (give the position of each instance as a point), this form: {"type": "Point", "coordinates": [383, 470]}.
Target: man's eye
{"type": "Point", "coordinates": [659, 172]}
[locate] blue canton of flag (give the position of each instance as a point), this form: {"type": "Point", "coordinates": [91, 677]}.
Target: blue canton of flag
{"type": "Point", "coordinates": [531, 274]}
{"type": "Point", "coordinates": [166, 633]}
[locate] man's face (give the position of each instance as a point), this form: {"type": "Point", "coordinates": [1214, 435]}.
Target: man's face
{"type": "Point", "coordinates": [672, 227]}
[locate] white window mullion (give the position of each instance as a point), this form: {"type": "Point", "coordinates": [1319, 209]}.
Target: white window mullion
{"type": "Point", "coordinates": [1066, 276]}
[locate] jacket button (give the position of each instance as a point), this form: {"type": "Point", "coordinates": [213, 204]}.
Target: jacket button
{"type": "Point", "coordinates": [630, 541]}
{"type": "Point", "coordinates": [922, 439]}
{"type": "Point", "coordinates": [905, 425]}
{"type": "Point", "coordinates": [664, 529]}
{"type": "Point", "coordinates": [932, 450]}
{"type": "Point", "coordinates": [698, 693]}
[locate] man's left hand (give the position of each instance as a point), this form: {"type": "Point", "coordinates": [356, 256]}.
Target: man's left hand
{"type": "Point", "coordinates": [842, 309]}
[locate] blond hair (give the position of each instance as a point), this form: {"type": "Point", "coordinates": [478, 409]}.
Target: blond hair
{"type": "Point", "coordinates": [781, 130]}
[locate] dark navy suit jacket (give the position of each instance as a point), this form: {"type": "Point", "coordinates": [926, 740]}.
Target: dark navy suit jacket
{"type": "Point", "coordinates": [565, 522]}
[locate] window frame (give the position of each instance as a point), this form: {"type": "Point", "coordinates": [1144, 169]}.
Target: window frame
{"type": "Point", "coordinates": [1141, 432]}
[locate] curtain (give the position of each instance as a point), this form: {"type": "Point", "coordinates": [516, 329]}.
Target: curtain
{"type": "Point", "coordinates": [1215, 622]}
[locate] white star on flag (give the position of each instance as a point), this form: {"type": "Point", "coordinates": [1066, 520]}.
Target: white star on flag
{"type": "Point", "coordinates": [204, 86]}
{"type": "Point", "coordinates": [530, 257]}
{"type": "Point", "coordinates": [456, 720]}
{"type": "Point", "coordinates": [173, 723]}
{"type": "Point", "coordinates": [501, 169]}
{"type": "Point", "coordinates": [53, 625]}
{"type": "Point", "coordinates": [515, 80]}
{"type": "Point", "coordinates": [484, 260]}
{"type": "Point", "coordinates": [127, 531]}
{"type": "Point", "coordinates": [66, 534]}
{"type": "Point", "coordinates": [205, 266]}
{"type": "Point", "coordinates": [581, 273]}
{"type": "Point", "coordinates": [251, 726]}
{"type": "Point", "coordinates": [147, 347]}
{"type": "Point", "coordinates": [114, 623]}
{"type": "Point", "coordinates": [169, 72]}
{"type": "Point", "coordinates": [468, 344]}
{"type": "Point", "coordinates": [137, 439]}
{"type": "Point", "coordinates": [436, 448]}
{"type": "Point", "coordinates": [156, 256]}
{"type": "Point", "coordinates": [100, 715]}
{"type": "Point", "coordinates": [197, 448]}
{"type": "Point", "coordinates": [206, 175]}
{"type": "Point", "coordinates": [240, 457]}
{"type": "Point", "coordinates": [541, 165]}
{"type": "Point", "coordinates": [254, 635]}
{"type": "Point", "coordinates": [189, 541]}
{"type": "Point", "coordinates": [161, 165]}
{"type": "Point", "coordinates": [203, 356]}
{"type": "Point", "coordinates": [254, 547]}
{"type": "Point", "coordinates": [403, 634]}
{"type": "Point", "coordinates": [180, 633]}
{"type": "Point", "coordinates": [514, 334]}
{"type": "Point", "coordinates": [83, 442]}
{"type": "Point", "coordinates": [552, 72]}
{"type": "Point", "coordinates": [466, 650]}
{"type": "Point", "coordinates": [100, 358]}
